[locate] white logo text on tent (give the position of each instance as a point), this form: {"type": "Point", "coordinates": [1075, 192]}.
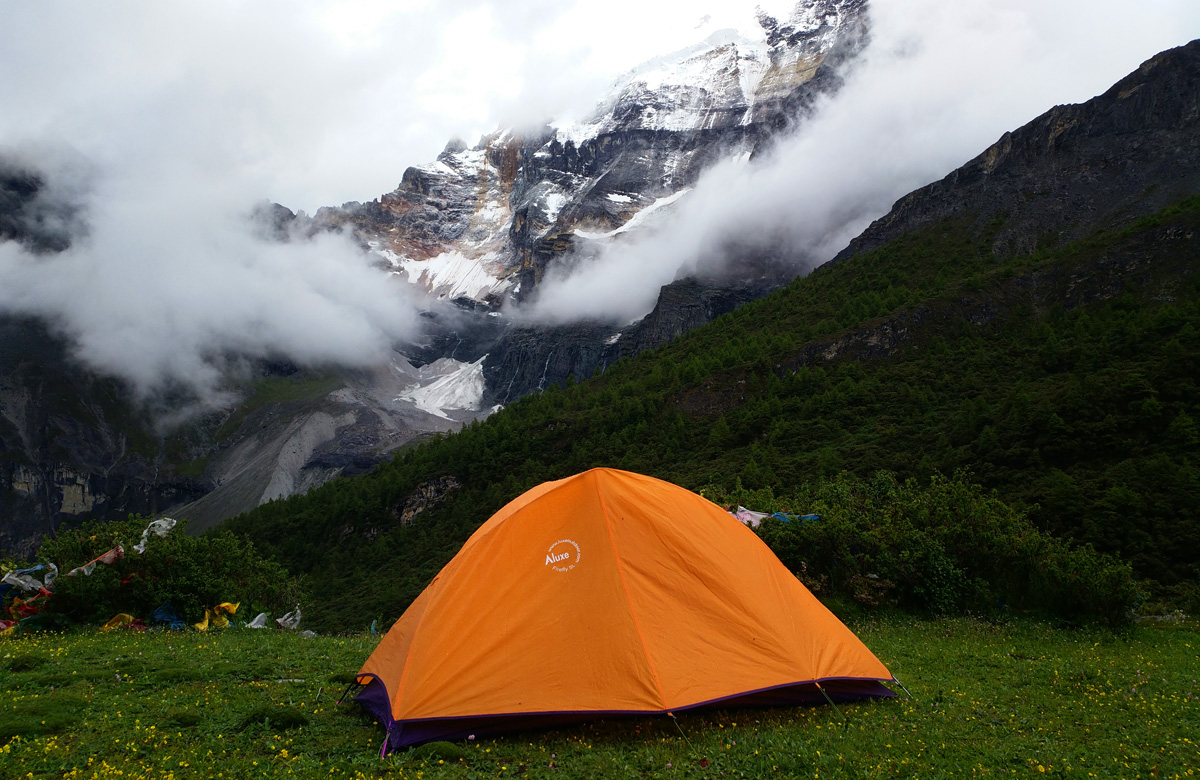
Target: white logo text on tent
{"type": "Point", "coordinates": [558, 557]}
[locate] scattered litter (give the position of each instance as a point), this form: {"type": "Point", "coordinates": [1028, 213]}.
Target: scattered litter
{"type": "Point", "coordinates": [308, 634]}
{"type": "Point", "coordinates": [24, 579]}
{"type": "Point", "coordinates": [159, 528]}
{"type": "Point", "coordinates": [751, 519]}
{"type": "Point", "coordinates": [24, 596]}
{"type": "Point", "coordinates": [118, 620]}
{"type": "Point", "coordinates": [216, 617]}
{"type": "Point", "coordinates": [110, 557]}
{"type": "Point", "coordinates": [290, 620]}
{"type": "Point", "coordinates": [167, 615]}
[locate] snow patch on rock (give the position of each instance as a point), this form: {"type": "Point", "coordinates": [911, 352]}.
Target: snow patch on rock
{"type": "Point", "coordinates": [447, 385]}
{"type": "Point", "coordinates": [553, 205]}
{"type": "Point", "coordinates": [451, 274]}
{"type": "Point", "coordinates": [638, 219]}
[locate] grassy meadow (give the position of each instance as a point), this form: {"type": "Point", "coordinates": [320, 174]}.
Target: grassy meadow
{"type": "Point", "coordinates": [1016, 698]}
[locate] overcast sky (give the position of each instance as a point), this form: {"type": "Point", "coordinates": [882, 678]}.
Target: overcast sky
{"type": "Point", "coordinates": [317, 103]}
{"type": "Point", "coordinates": [183, 114]}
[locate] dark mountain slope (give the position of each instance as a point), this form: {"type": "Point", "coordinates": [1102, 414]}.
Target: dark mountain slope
{"type": "Point", "coordinates": [1129, 152]}
{"type": "Point", "coordinates": [70, 444]}
{"type": "Point", "coordinates": [1065, 378]}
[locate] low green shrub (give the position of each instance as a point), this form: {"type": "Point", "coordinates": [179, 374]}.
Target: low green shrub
{"type": "Point", "coordinates": [946, 547]}
{"type": "Point", "coordinates": [439, 751]}
{"type": "Point", "coordinates": [183, 719]}
{"type": "Point", "coordinates": [172, 675]}
{"type": "Point", "coordinates": [51, 680]}
{"type": "Point", "coordinates": [191, 572]}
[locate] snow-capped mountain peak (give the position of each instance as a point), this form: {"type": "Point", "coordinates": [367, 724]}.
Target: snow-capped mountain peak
{"type": "Point", "coordinates": [485, 222]}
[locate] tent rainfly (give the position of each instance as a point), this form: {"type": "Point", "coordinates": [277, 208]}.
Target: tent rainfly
{"type": "Point", "coordinates": [607, 593]}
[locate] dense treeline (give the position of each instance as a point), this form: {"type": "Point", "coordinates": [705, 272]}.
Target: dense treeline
{"type": "Point", "coordinates": [945, 547]}
{"type": "Point", "coordinates": [1063, 380]}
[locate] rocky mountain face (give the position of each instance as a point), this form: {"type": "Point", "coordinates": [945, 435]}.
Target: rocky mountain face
{"type": "Point", "coordinates": [529, 358]}
{"type": "Point", "coordinates": [1129, 152]}
{"type": "Point", "coordinates": [32, 213]}
{"type": "Point", "coordinates": [67, 448]}
{"type": "Point", "coordinates": [477, 229]}
{"type": "Point", "coordinates": [74, 445]}
{"type": "Point", "coordinates": [486, 222]}
{"type": "Point", "coordinates": [482, 226]}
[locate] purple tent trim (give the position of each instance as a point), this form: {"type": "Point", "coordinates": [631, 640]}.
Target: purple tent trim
{"type": "Point", "coordinates": [403, 733]}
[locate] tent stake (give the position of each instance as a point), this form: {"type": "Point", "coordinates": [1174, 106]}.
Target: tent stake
{"type": "Point", "coordinates": [690, 747]}
{"type": "Point", "coordinates": [910, 696]}
{"type": "Point", "coordinates": [845, 720]}
{"type": "Point", "coordinates": [347, 690]}
{"type": "Point", "coordinates": [685, 736]}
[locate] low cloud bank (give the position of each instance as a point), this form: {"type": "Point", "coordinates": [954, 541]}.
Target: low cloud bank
{"type": "Point", "coordinates": [171, 286]}
{"type": "Point", "coordinates": [156, 128]}
{"type": "Point", "coordinates": [939, 83]}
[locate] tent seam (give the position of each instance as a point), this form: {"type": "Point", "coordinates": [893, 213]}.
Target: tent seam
{"type": "Point", "coordinates": [473, 541]}
{"type": "Point", "coordinates": [628, 600]}
{"type": "Point", "coordinates": [408, 655]}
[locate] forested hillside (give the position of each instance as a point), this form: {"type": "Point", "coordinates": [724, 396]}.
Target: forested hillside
{"type": "Point", "coordinates": [1065, 380]}
{"type": "Point", "coordinates": [1030, 323]}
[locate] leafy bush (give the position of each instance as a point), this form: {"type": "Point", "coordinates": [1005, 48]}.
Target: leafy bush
{"type": "Point", "coordinates": [947, 547]}
{"type": "Point", "coordinates": [192, 572]}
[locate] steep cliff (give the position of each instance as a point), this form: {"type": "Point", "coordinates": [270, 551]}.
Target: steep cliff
{"type": "Point", "coordinates": [71, 444]}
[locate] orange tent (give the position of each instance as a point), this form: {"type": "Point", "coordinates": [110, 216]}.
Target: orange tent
{"type": "Point", "coordinates": [606, 593]}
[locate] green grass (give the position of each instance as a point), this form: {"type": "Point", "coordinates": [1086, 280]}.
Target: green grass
{"type": "Point", "coordinates": [1017, 699]}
